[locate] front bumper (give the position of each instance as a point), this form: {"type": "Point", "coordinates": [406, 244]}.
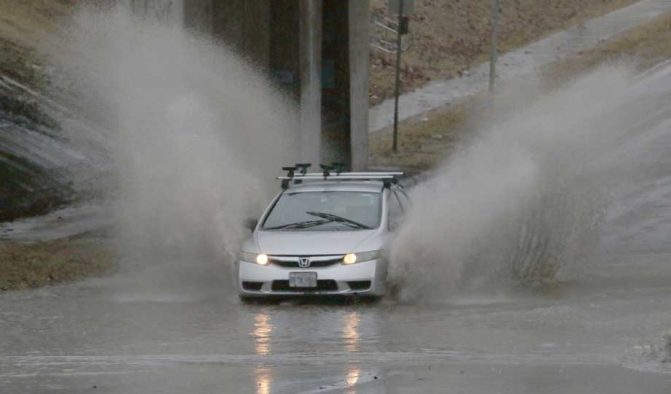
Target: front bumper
{"type": "Point", "coordinates": [365, 278]}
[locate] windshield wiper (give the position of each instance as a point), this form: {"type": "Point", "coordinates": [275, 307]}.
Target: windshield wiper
{"type": "Point", "coordinates": [299, 225]}
{"type": "Point", "coordinates": [339, 219]}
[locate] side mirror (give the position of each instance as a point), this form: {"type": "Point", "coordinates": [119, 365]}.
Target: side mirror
{"type": "Point", "coordinates": [251, 224]}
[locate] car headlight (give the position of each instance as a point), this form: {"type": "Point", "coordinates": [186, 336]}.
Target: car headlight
{"type": "Point", "coordinates": [258, 258]}
{"type": "Point", "coordinates": [352, 258]}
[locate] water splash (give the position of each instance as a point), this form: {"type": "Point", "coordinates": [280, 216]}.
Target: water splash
{"type": "Point", "coordinates": [196, 135]}
{"type": "Point", "coordinates": [524, 199]}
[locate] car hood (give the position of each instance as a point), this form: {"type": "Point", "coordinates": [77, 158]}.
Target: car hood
{"type": "Point", "coordinates": [304, 243]}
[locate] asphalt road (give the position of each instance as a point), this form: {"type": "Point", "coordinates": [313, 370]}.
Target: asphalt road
{"type": "Point", "coordinates": [599, 333]}
{"type": "Point", "coordinates": [596, 335]}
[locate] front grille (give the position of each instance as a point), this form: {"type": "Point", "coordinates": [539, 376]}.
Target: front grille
{"type": "Point", "coordinates": [322, 285]}
{"type": "Point", "coordinates": [359, 285]}
{"type": "Point", "coordinates": [252, 286]}
{"type": "Point", "coordinates": [313, 264]}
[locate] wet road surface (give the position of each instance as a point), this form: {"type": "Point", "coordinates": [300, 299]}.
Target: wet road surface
{"type": "Point", "coordinates": [590, 336]}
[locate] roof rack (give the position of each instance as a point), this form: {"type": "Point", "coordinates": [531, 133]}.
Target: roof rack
{"type": "Point", "coordinates": [333, 172]}
{"type": "Point", "coordinates": [342, 176]}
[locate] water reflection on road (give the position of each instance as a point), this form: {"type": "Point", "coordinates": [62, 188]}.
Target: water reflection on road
{"type": "Point", "coordinates": [264, 379]}
{"type": "Point", "coordinates": [351, 338]}
{"type": "Point", "coordinates": [262, 335]}
{"type": "Point", "coordinates": [263, 330]}
{"type": "Point", "coordinates": [350, 332]}
{"type": "Point", "coordinates": [340, 328]}
{"type": "Point", "coordinates": [352, 378]}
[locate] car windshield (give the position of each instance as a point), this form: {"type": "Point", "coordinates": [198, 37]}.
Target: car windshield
{"type": "Point", "coordinates": [325, 211]}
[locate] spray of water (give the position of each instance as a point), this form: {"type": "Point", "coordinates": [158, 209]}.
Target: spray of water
{"type": "Point", "coordinates": [522, 200]}
{"type": "Point", "coordinates": [196, 136]}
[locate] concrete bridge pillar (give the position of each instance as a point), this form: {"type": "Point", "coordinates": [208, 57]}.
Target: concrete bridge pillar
{"type": "Point", "coordinates": [359, 66]}
{"type": "Point", "coordinates": [198, 16]}
{"type": "Point", "coordinates": [310, 60]}
{"type": "Point", "coordinates": [171, 11]}
{"type": "Point", "coordinates": [316, 51]}
{"type": "Point", "coordinates": [244, 25]}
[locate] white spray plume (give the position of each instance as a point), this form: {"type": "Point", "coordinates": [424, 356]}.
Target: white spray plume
{"type": "Point", "coordinates": [197, 135]}
{"type": "Point", "coordinates": [523, 199]}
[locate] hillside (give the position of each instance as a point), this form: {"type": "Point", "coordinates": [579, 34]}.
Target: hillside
{"type": "Point", "coordinates": [28, 167]}
{"type": "Point", "coordinates": [449, 36]}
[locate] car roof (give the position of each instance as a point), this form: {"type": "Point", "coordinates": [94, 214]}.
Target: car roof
{"type": "Point", "coordinates": [350, 186]}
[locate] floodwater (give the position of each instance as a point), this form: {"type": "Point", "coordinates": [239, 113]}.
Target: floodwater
{"type": "Point", "coordinates": [591, 336]}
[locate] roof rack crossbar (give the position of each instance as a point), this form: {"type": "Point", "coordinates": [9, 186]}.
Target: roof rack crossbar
{"type": "Point", "coordinates": [298, 173]}
{"type": "Point", "coordinates": [319, 174]}
{"type": "Point", "coordinates": [344, 176]}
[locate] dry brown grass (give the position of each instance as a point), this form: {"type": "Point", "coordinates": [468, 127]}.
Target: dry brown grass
{"type": "Point", "coordinates": [450, 36]}
{"type": "Point", "coordinates": [24, 24]}
{"type": "Point", "coordinates": [642, 47]}
{"type": "Point", "coordinates": [25, 266]}
{"type": "Point", "coordinates": [426, 140]}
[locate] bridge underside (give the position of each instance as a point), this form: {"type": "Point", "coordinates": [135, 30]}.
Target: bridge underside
{"type": "Point", "coordinates": [314, 50]}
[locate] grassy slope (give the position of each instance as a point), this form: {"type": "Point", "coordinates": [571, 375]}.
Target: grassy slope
{"type": "Point", "coordinates": [450, 36]}
{"type": "Point", "coordinates": [642, 47]}
{"type": "Point", "coordinates": [25, 24]}
{"type": "Point", "coordinates": [424, 142]}
{"type": "Point", "coordinates": [33, 265]}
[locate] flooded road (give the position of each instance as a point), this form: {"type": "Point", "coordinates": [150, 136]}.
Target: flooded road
{"type": "Point", "coordinates": [601, 331]}
{"type": "Point", "coordinates": [590, 336]}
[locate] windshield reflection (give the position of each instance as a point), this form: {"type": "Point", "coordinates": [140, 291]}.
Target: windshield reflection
{"type": "Point", "coordinates": [325, 211]}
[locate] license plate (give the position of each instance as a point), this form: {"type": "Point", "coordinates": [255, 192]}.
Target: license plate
{"type": "Point", "coordinates": [302, 279]}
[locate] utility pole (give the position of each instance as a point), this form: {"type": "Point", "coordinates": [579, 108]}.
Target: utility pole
{"type": "Point", "coordinates": [398, 73]}
{"type": "Point", "coordinates": [496, 7]}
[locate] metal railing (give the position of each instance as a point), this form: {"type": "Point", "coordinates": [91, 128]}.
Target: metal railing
{"type": "Point", "coordinates": [383, 35]}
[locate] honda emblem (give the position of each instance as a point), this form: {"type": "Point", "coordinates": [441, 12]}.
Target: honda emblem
{"type": "Point", "coordinates": [303, 262]}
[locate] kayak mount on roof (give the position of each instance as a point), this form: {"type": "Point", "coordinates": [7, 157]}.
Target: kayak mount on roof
{"type": "Point", "coordinates": [333, 172]}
